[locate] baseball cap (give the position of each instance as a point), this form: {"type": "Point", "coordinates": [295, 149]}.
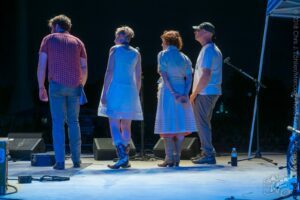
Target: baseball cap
{"type": "Point", "coordinates": [206, 26]}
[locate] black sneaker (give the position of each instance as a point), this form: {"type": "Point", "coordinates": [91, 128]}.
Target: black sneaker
{"type": "Point", "coordinates": [205, 160]}
{"type": "Point", "coordinates": [59, 166]}
{"type": "Point", "coordinates": [77, 164]}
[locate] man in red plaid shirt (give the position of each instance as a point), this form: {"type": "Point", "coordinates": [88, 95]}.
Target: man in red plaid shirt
{"type": "Point", "coordinates": [65, 57]}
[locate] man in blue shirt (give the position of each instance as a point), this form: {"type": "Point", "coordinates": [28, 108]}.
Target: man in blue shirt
{"type": "Point", "coordinates": [206, 89]}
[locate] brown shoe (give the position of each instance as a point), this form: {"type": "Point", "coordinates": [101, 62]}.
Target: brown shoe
{"type": "Point", "coordinates": [169, 150]}
{"type": "Point", "coordinates": [165, 164]}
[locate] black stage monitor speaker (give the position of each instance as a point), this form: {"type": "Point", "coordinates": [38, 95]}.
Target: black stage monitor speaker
{"type": "Point", "coordinates": [24, 144]}
{"type": "Point", "coordinates": [190, 148]}
{"type": "Point", "coordinates": [3, 166]}
{"type": "Point", "coordinates": [104, 150]}
{"type": "Point", "coordinates": [42, 159]}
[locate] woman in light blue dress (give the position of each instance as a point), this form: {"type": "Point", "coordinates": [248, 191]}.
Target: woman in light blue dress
{"type": "Point", "coordinates": [120, 100]}
{"type": "Point", "coordinates": [174, 116]}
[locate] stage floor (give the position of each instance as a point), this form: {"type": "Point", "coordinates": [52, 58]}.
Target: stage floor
{"type": "Point", "coordinates": [256, 179]}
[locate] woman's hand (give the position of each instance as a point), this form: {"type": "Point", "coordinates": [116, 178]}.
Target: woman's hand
{"type": "Point", "coordinates": [176, 95]}
{"type": "Point", "coordinates": [181, 98]}
{"type": "Point", "coordinates": [184, 99]}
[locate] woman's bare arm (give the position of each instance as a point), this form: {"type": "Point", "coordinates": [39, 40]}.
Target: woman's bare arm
{"type": "Point", "coordinates": [108, 74]}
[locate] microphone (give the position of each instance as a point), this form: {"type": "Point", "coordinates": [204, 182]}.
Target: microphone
{"type": "Point", "coordinates": [226, 60]}
{"type": "Point", "coordinates": [289, 128]}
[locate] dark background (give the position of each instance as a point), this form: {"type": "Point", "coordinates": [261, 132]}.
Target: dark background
{"type": "Point", "coordinates": [239, 26]}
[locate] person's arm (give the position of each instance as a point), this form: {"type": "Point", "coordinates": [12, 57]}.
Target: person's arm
{"type": "Point", "coordinates": [83, 63]}
{"type": "Point", "coordinates": [188, 83]}
{"type": "Point", "coordinates": [108, 74]}
{"type": "Point", "coordinates": [205, 70]}
{"type": "Point", "coordinates": [138, 73]}
{"type": "Point", "coordinates": [188, 77]}
{"type": "Point", "coordinates": [165, 78]}
{"type": "Point", "coordinates": [162, 70]}
{"type": "Point", "coordinates": [84, 69]}
{"type": "Point", "coordinates": [41, 76]}
{"type": "Point", "coordinates": [202, 83]}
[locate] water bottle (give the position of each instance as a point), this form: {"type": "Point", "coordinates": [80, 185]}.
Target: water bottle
{"type": "Point", "coordinates": [234, 157]}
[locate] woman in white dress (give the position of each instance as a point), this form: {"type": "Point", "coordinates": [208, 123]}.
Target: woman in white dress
{"type": "Point", "coordinates": [174, 116]}
{"type": "Point", "coordinates": [120, 100]}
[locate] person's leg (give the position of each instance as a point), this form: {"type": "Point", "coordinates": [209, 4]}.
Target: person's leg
{"type": "Point", "coordinates": [126, 136]}
{"type": "Point", "coordinates": [115, 127]}
{"type": "Point", "coordinates": [169, 150]}
{"type": "Point", "coordinates": [214, 99]}
{"type": "Point", "coordinates": [126, 131]}
{"type": "Point", "coordinates": [115, 130]}
{"type": "Point", "coordinates": [73, 108]}
{"type": "Point", "coordinates": [203, 109]}
{"type": "Point", "coordinates": [58, 114]}
{"type": "Point", "coordinates": [178, 144]}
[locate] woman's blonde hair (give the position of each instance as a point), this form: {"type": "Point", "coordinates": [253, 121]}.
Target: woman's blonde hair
{"type": "Point", "coordinates": [126, 30]}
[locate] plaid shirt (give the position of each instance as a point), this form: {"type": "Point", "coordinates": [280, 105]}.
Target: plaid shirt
{"type": "Point", "coordinates": [63, 58]}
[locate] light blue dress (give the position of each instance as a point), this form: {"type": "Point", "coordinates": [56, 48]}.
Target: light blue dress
{"type": "Point", "coordinates": [123, 101]}
{"type": "Point", "coordinates": [172, 116]}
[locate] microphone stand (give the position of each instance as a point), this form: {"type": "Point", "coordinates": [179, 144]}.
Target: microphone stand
{"type": "Point", "coordinates": [142, 156]}
{"type": "Point", "coordinates": [257, 84]}
{"type": "Point", "coordinates": [227, 61]}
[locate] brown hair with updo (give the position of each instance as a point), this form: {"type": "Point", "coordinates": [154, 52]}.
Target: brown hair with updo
{"type": "Point", "coordinates": [172, 38]}
{"type": "Point", "coordinates": [126, 30]}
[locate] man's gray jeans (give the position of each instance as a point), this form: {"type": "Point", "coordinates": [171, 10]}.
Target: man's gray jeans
{"type": "Point", "coordinates": [203, 110]}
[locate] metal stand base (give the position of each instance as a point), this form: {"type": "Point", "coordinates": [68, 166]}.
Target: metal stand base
{"type": "Point", "coordinates": [258, 155]}
{"type": "Point", "coordinates": [141, 157]}
{"type": "Point", "coordinates": [145, 157]}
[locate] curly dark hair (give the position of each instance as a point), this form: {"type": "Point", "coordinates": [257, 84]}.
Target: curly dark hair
{"type": "Point", "coordinates": [63, 21]}
{"type": "Point", "coordinates": [172, 38]}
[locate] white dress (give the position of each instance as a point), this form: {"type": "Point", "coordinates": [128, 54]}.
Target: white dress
{"type": "Point", "coordinates": [171, 116]}
{"type": "Point", "coordinates": [122, 100]}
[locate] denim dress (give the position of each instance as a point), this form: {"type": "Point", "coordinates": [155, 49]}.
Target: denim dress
{"type": "Point", "coordinates": [123, 101]}
{"type": "Point", "coordinates": [171, 116]}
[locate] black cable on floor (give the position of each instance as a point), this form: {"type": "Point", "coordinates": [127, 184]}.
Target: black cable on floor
{"type": "Point", "coordinates": [53, 178]}
{"type": "Point", "coordinates": [45, 178]}
{"type": "Point", "coordinates": [13, 187]}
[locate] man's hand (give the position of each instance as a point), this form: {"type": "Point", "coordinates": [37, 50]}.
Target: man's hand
{"type": "Point", "coordinates": [43, 95]}
{"type": "Point", "coordinates": [193, 97]}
